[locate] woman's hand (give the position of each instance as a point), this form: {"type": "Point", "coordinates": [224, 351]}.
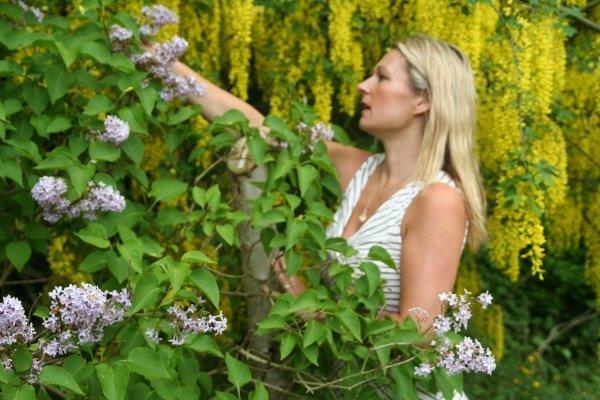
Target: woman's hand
{"type": "Point", "coordinates": [290, 284]}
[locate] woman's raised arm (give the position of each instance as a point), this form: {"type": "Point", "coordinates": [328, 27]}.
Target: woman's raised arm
{"type": "Point", "coordinates": [217, 101]}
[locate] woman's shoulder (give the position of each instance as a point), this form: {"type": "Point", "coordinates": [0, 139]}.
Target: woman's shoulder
{"type": "Point", "coordinates": [439, 204]}
{"type": "Point", "coordinates": [346, 160]}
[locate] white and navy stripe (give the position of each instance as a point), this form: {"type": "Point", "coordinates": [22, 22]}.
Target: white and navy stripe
{"type": "Point", "coordinates": [382, 228]}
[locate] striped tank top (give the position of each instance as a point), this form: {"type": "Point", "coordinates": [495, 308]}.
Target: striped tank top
{"type": "Point", "coordinates": [382, 228]}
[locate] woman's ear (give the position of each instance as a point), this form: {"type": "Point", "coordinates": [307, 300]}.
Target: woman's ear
{"type": "Point", "coordinates": [422, 105]}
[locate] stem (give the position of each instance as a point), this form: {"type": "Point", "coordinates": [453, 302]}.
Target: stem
{"type": "Point", "coordinates": [559, 329]}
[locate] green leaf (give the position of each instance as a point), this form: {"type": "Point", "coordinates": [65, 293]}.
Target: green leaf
{"type": "Point", "coordinates": [205, 344]}
{"type": "Point", "coordinates": [196, 256]}
{"type": "Point", "coordinates": [183, 114]}
{"type": "Point", "coordinates": [146, 362]}
{"type": "Point", "coordinates": [260, 393]}
{"type": "Point", "coordinates": [18, 253]}
{"type": "Point", "coordinates": [80, 176]}
{"type": "Point", "coordinates": [238, 373]}
{"type": "Point", "coordinates": [351, 321]}
{"type": "Point", "coordinates": [104, 151]}
{"type": "Point", "coordinates": [373, 274]}
{"type": "Point", "coordinates": [97, 51]}
{"type": "Point", "coordinates": [178, 274]}
{"type": "Point", "coordinates": [27, 148]}
{"type": "Point", "coordinates": [443, 383]}
{"type": "Point", "coordinates": [288, 342]}
{"type": "Point", "coordinates": [77, 144]}
{"type": "Point", "coordinates": [380, 254]}
{"type": "Point", "coordinates": [21, 359]}
{"type": "Point", "coordinates": [36, 97]}
{"type": "Point", "coordinates": [3, 375]}
{"type": "Point", "coordinates": [134, 118]}
{"type": "Point", "coordinates": [114, 379]}
{"type": "Point", "coordinates": [294, 230]}
{"type": "Point", "coordinates": [134, 148]}
{"type": "Point", "coordinates": [67, 52]}
{"type": "Point", "coordinates": [225, 396]}
{"type": "Point", "coordinates": [148, 97]}
{"type": "Point", "coordinates": [206, 282]}
{"type": "Point", "coordinates": [312, 353]}
{"type": "Point", "coordinates": [58, 376]}
{"type": "Point", "coordinates": [132, 250]}
{"type": "Point", "coordinates": [94, 234]}
{"type": "Point", "coordinates": [24, 392]}
{"type": "Point", "coordinates": [403, 378]}
{"type": "Point", "coordinates": [97, 105]}
{"type": "Point", "coordinates": [146, 293]}
{"type": "Point", "coordinates": [58, 81]}
{"type": "Point", "coordinates": [226, 232]}
{"type": "Point", "coordinates": [230, 117]}
{"type": "Point", "coordinates": [167, 189]}
{"type": "Point", "coordinates": [307, 174]}
{"type": "Point", "coordinates": [314, 333]}
{"type": "Point", "coordinates": [11, 168]}
{"type": "Point", "coordinates": [58, 124]}
{"type": "Point", "coordinates": [138, 174]}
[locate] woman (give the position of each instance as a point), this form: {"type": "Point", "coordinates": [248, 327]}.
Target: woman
{"type": "Point", "coordinates": [422, 196]}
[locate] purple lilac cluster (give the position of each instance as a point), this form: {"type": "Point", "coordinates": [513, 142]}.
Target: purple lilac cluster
{"type": "Point", "coordinates": [120, 38]}
{"type": "Point", "coordinates": [79, 314]}
{"type": "Point", "coordinates": [159, 63]}
{"type": "Point", "coordinates": [186, 321]}
{"type": "Point", "coordinates": [37, 13]}
{"type": "Point", "coordinates": [158, 16]}
{"type": "Point", "coordinates": [49, 192]}
{"type": "Point", "coordinates": [116, 131]}
{"type": "Point", "coordinates": [321, 131]}
{"type": "Point", "coordinates": [14, 325]}
{"type": "Point", "coordinates": [468, 355]}
{"type": "Point", "coordinates": [99, 198]}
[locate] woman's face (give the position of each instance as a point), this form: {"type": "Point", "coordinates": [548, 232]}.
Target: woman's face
{"type": "Point", "coordinates": [389, 104]}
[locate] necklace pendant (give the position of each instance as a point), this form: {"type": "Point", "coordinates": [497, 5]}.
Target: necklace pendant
{"type": "Point", "coordinates": [363, 216]}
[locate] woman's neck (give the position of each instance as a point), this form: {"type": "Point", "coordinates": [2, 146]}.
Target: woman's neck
{"type": "Point", "coordinates": [401, 155]}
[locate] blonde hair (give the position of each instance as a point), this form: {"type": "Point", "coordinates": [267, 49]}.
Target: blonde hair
{"type": "Point", "coordinates": [444, 73]}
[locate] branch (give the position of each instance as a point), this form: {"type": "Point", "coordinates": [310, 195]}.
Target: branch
{"type": "Point", "coordinates": [580, 18]}
{"type": "Point", "coordinates": [561, 328]}
{"type": "Point", "coordinates": [591, 5]}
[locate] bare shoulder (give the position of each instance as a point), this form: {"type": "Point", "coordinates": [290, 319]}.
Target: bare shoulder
{"type": "Point", "coordinates": [346, 159]}
{"type": "Point", "coordinates": [438, 204]}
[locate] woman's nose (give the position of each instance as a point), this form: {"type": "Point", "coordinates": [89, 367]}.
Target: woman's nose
{"type": "Point", "coordinates": [362, 86]}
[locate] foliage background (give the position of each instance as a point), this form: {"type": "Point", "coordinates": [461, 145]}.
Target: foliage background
{"type": "Point", "coordinates": [537, 74]}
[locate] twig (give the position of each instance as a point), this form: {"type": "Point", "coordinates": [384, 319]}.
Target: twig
{"type": "Point", "coordinates": [591, 5]}
{"type": "Point", "coordinates": [5, 274]}
{"type": "Point", "coordinates": [208, 169]}
{"type": "Point", "coordinates": [561, 328]}
{"type": "Point", "coordinates": [580, 18]}
{"type": "Point", "coordinates": [25, 281]}
{"type": "Point", "coordinates": [279, 389]}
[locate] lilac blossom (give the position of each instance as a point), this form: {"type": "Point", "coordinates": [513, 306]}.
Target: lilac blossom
{"type": "Point", "coordinates": [34, 371]}
{"type": "Point", "coordinates": [152, 335]}
{"type": "Point", "coordinates": [116, 131]}
{"type": "Point", "coordinates": [159, 16]}
{"type": "Point", "coordinates": [49, 192]}
{"type": "Point", "coordinates": [159, 65]}
{"type": "Point", "coordinates": [441, 325]}
{"type": "Point", "coordinates": [321, 131]}
{"type": "Point", "coordinates": [187, 321]}
{"type": "Point", "coordinates": [120, 38]}
{"type": "Point", "coordinates": [424, 369]}
{"type": "Point", "coordinates": [99, 198]}
{"type": "Point", "coordinates": [468, 356]}
{"type": "Point", "coordinates": [485, 299]}
{"type": "Point", "coordinates": [79, 314]}
{"type": "Point", "coordinates": [14, 325]}
{"type": "Point", "coordinates": [37, 13]}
